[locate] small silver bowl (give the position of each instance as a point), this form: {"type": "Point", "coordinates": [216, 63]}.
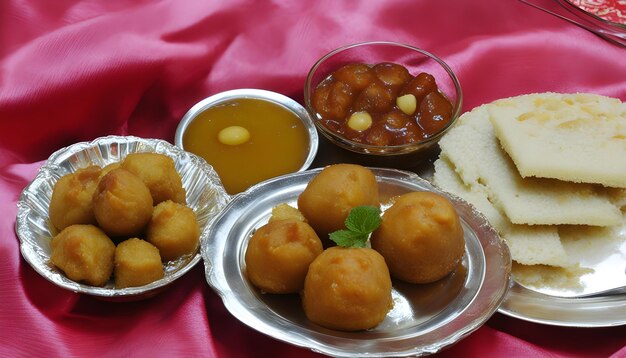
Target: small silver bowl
{"type": "Point", "coordinates": [205, 195]}
{"type": "Point", "coordinates": [272, 97]}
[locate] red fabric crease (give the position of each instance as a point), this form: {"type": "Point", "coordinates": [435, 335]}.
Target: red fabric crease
{"type": "Point", "coordinates": [76, 70]}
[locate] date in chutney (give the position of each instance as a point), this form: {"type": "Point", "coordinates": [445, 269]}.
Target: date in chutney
{"type": "Point", "coordinates": [381, 105]}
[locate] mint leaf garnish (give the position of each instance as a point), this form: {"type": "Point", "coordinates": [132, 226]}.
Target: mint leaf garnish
{"type": "Point", "coordinates": [360, 223]}
{"type": "Point", "coordinates": [347, 238]}
{"type": "Point", "coordinates": [363, 219]}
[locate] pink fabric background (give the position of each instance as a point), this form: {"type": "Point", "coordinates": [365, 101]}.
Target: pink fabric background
{"type": "Point", "coordinates": [75, 70]}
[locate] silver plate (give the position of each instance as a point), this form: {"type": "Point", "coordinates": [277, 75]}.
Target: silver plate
{"type": "Point", "coordinates": [425, 318]}
{"type": "Point", "coordinates": [528, 305]}
{"type": "Point", "coordinates": [559, 306]}
{"type": "Point", "coordinates": [205, 195]}
{"type": "Point", "coordinates": [550, 305]}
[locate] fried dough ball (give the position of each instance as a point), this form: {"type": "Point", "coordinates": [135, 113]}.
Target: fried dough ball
{"type": "Point", "coordinates": [122, 204]}
{"type": "Point", "coordinates": [137, 263]}
{"type": "Point", "coordinates": [420, 237]}
{"type": "Point", "coordinates": [347, 289]}
{"type": "Point", "coordinates": [328, 198]}
{"type": "Point", "coordinates": [286, 211]}
{"type": "Point", "coordinates": [107, 168]}
{"type": "Point", "coordinates": [159, 174]}
{"type": "Point", "coordinates": [83, 253]}
{"type": "Point", "coordinates": [173, 229]}
{"type": "Point", "coordinates": [279, 254]}
{"type": "Point", "coordinates": [71, 201]}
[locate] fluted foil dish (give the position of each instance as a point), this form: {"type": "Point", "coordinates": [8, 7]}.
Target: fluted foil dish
{"type": "Point", "coordinates": [425, 318]}
{"type": "Point", "coordinates": [205, 195]}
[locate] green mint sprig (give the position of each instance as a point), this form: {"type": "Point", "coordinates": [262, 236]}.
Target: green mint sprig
{"type": "Point", "coordinates": [360, 223]}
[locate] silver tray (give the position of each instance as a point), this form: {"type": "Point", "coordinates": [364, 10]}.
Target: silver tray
{"type": "Point", "coordinates": [425, 318]}
{"type": "Point", "coordinates": [205, 195]}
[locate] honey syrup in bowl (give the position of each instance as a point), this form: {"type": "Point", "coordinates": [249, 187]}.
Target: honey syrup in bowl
{"type": "Point", "coordinates": [249, 136]}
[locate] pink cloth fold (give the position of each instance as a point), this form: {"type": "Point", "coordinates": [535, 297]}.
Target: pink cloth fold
{"type": "Point", "coordinates": [73, 70]}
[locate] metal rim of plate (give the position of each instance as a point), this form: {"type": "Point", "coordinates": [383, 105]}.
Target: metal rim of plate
{"type": "Point", "coordinates": [551, 307]}
{"type": "Point", "coordinates": [205, 195]}
{"type": "Point", "coordinates": [401, 334]}
{"type": "Point", "coordinates": [590, 312]}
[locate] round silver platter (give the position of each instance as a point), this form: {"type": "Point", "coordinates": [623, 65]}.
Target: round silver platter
{"type": "Point", "coordinates": [205, 195]}
{"type": "Point", "coordinates": [532, 306]}
{"type": "Point", "coordinates": [566, 306]}
{"type": "Point", "coordinates": [424, 319]}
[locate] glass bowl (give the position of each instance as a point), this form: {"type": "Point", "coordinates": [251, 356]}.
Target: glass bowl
{"type": "Point", "coordinates": [415, 60]}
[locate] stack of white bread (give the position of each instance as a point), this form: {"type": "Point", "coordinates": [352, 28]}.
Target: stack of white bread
{"type": "Point", "coordinates": [547, 170]}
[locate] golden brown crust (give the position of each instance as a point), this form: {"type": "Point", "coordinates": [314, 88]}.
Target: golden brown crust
{"type": "Point", "coordinates": [137, 263]}
{"type": "Point", "coordinates": [83, 253]}
{"type": "Point", "coordinates": [71, 201]}
{"type": "Point", "coordinates": [122, 204]}
{"type": "Point", "coordinates": [159, 174]}
{"type": "Point", "coordinates": [420, 237]}
{"type": "Point", "coordinates": [279, 254]}
{"type": "Point", "coordinates": [173, 229]}
{"type": "Point", "coordinates": [329, 197]}
{"type": "Point", "coordinates": [347, 289]}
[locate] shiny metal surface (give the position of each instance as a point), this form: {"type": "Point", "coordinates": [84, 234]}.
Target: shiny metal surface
{"type": "Point", "coordinates": [273, 97]}
{"type": "Point", "coordinates": [205, 195]}
{"type": "Point", "coordinates": [572, 307]}
{"type": "Point", "coordinates": [528, 305]}
{"type": "Point", "coordinates": [604, 262]}
{"type": "Point", "coordinates": [425, 318]}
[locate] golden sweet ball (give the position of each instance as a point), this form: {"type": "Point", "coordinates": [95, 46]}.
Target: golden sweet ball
{"type": "Point", "coordinates": [420, 237]}
{"type": "Point", "coordinates": [107, 168]}
{"type": "Point", "coordinates": [137, 263]}
{"type": "Point", "coordinates": [279, 254]}
{"type": "Point", "coordinates": [173, 229]}
{"type": "Point", "coordinates": [328, 198]}
{"type": "Point", "coordinates": [347, 289]}
{"type": "Point", "coordinates": [71, 202]}
{"type": "Point", "coordinates": [122, 204]}
{"type": "Point", "coordinates": [84, 253]}
{"type": "Point", "coordinates": [158, 172]}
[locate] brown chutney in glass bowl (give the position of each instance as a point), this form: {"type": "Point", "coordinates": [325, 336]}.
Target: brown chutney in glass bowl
{"type": "Point", "coordinates": [382, 98]}
{"type": "Point", "coordinates": [381, 104]}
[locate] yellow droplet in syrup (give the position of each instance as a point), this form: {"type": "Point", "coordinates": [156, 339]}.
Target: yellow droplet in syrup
{"type": "Point", "coordinates": [233, 135]}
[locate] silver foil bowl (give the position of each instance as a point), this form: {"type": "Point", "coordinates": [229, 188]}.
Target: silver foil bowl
{"type": "Point", "coordinates": [205, 195]}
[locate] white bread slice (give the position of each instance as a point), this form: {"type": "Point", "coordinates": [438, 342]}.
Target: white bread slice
{"type": "Point", "coordinates": [447, 179]}
{"type": "Point", "coordinates": [529, 245]}
{"type": "Point", "coordinates": [573, 137]}
{"type": "Point", "coordinates": [474, 150]}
